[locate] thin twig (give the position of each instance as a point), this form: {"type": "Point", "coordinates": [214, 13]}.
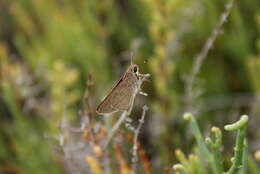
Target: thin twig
{"type": "Point", "coordinates": [88, 112]}
{"type": "Point", "coordinates": [135, 146]}
{"type": "Point", "coordinates": [115, 128]}
{"type": "Point", "coordinates": [189, 81]}
{"type": "Point", "coordinates": [70, 165]}
{"type": "Point", "coordinates": [87, 106]}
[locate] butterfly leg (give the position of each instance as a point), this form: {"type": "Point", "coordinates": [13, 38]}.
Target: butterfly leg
{"type": "Point", "coordinates": [144, 76]}
{"type": "Point", "coordinates": [143, 93]}
{"type": "Point", "coordinates": [130, 106]}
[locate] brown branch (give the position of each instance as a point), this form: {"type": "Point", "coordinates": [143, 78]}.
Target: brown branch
{"type": "Point", "coordinates": [189, 81]}
{"type": "Point", "coordinates": [88, 112]}
{"type": "Point", "coordinates": [141, 152]}
{"type": "Point", "coordinates": [135, 146]}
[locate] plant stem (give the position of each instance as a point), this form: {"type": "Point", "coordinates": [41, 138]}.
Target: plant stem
{"type": "Point", "coordinates": [115, 128]}
{"type": "Point", "coordinates": [239, 148]}
{"type": "Point", "coordinates": [237, 125]}
{"type": "Point", "coordinates": [215, 146]}
{"type": "Point", "coordinates": [204, 151]}
{"type": "Point", "coordinates": [189, 82]}
{"type": "Point", "coordinates": [135, 147]}
{"type": "Point", "coordinates": [182, 158]}
{"type": "Point", "coordinates": [245, 160]}
{"type": "Point", "coordinates": [218, 161]}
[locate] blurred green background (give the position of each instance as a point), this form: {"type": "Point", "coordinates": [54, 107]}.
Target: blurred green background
{"type": "Point", "coordinates": [47, 48]}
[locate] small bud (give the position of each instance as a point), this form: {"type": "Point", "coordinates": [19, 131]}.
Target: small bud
{"type": "Point", "coordinates": [215, 129]}
{"type": "Point", "coordinates": [98, 151]}
{"type": "Point", "coordinates": [257, 155]}
{"type": "Point", "coordinates": [102, 132]}
{"type": "Point", "coordinates": [177, 166]}
{"type": "Point", "coordinates": [178, 152]}
{"type": "Point", "coordinates": [188, 116]}
{"type": "Point", "coordinates": [85, 135]}
{"type": "Point", "coordinates": [207, 139]}
{"type": "Point", "coordinates": [192, 157]}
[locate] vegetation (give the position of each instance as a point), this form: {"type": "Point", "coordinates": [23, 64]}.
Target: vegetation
{"type": "Point", "coordinates": [59, 58]}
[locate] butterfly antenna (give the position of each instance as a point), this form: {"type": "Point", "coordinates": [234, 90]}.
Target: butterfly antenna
{"type": "Point", "coordinates": [131, 57]}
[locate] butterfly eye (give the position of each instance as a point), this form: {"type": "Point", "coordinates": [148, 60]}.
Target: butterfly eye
{"type": "Point", "coordinates": [135, 69]}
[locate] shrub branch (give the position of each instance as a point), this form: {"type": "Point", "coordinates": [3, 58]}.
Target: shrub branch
{"type": "Point", "coordinates": [189, 81]}
{"type": "Point", "coordinates": [135, 146]}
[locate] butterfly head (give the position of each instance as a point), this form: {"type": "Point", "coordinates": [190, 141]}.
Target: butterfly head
{"type": "Point", "coordinates": [133, 69]}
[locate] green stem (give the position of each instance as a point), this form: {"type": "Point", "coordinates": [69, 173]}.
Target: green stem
{"type": "Point", "coordinates": [10, 100]}
{"type": "Point", "coordinates": [239, 148]}
{"type": "Point", "coordinates": [216, 148]}
{"type": "Point", "coordinates": [182, 159]}
{"type": "Point", "coordinates": [196, 166]}
{"type": "Point", "coordinates": [204, 151]}
{"type": "Point", "coordinates": [245, 160]}
{"type": "Point", "coordinates": [218, 161]}
{"type": "Point", "coordinates": [198, 136]}
{"type": "Point", "coordinates": [237, 125]}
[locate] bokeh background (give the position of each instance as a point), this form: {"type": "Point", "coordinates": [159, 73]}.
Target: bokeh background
{"type": "Point", "coordinates": [48, 48]}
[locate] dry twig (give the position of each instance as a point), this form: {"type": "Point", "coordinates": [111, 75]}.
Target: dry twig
{"type": "Point", "coordinates": [189, 81]}
{"type": "Point", "coordinates": [135, 146]}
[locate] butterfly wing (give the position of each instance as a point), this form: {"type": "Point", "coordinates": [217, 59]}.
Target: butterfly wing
{"type": "Point", "coordinates": [120, 98]}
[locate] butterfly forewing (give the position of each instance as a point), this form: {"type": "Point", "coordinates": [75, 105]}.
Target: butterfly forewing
{"type": "Point", "coordinates": [121, 96]}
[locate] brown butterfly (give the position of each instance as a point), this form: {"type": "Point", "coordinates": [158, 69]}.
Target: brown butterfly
{"type": "Point", "coordinates": [122, 95]}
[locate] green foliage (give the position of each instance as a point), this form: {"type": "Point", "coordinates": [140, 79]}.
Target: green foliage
{"type": "Point", "coordinates": [214, 158]}
{"type": "Point", "coordinates": [48, 48]}
{"type": "Point", "coordinates": [215, 161]}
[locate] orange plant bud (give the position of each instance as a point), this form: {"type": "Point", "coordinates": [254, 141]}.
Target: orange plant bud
{"type": "Point", "coordinates": [101, 134]}
{"type": "Point", "coordinates": [98, 151]}
{"type": "Point", "coordinates": [85, 135]}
